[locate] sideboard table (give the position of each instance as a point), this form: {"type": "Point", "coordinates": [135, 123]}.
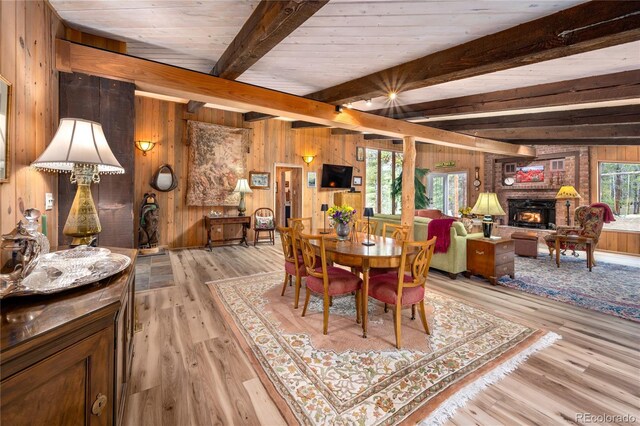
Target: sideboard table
{"type": "Point", "coordinates": [210, 222]}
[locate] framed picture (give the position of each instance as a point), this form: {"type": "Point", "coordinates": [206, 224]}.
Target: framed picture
{"type": "Point", "coordinates": [357, 180]}
{"type": "Point", "coordinates": [360, 153]}
{"type": "Point", "coordinates": [529, 174]}
{"type": "Point", "coordinates": [5, 110]}
{"type": "Point", "coordinates": [311, 179]}
{"type": "Point", "coordinates": [259, 180]}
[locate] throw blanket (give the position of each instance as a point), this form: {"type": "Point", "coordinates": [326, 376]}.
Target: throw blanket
{"type": "Point", "coordinates": [440, 228]}
{"type": "Point", "coordinates": [608, 214]}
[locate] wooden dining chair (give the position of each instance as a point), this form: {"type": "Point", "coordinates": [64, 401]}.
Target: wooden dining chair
{"type": "Point", "coordinates": [397, 232]}
{"type": "Point", "coordinates": [366, 227]}
{"type": "Point", "coordinates": [293, 262]}
{"type": "Point", "coordinates": [406, 287]}
{"type": "Point", "coordinates": [326, 280]}
{"type": "Point", "coordinates": [263, 221]}
{"type": "Point", "coordinates": [299, 224]}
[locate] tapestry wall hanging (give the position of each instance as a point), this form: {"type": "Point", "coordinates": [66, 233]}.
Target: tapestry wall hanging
{"type": "Point", "coordinates": [217, 159]}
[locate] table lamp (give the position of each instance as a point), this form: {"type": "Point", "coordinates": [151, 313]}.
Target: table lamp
{"type": "Point", "coordinates": [243, 188]}
{"type": "Point", "coordinates": [368, 213]}
{"type": "Point", "coordinates": [324, 208]}
{"type": "Point", "coordinates": [80, 147]}
{"type": "Point", "coordinates": [488, 206]}
{"type": "Point", "coordinates": [567, 192]}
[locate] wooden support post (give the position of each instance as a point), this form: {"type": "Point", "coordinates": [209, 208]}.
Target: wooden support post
{"type": "Point", "coordinates": [408, 183]}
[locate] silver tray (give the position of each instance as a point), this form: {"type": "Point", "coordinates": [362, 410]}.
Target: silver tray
{"type": "Point", "coordinates": [67, 269]}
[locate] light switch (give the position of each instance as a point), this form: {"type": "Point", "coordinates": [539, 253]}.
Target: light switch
{"type": "Point", "coordinates": [48, 201]}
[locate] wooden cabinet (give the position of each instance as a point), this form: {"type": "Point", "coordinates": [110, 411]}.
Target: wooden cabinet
{"type": "Point", "coordinates": [490, 258]}
{"type": "Point", "coordinates": [353, 199]}
{"type": "Point", "coordinates": [65, 358]}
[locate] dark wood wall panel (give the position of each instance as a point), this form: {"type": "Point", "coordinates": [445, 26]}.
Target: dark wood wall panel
{"type": "Point", "coordinates": [111, 103]}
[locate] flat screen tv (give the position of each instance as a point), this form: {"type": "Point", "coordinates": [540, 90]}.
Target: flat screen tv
{"type": "Point", "coordinates": [336, 177]}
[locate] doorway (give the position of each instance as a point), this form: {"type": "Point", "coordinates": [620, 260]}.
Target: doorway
{"type": "Point", "coordinates": [288, 193]}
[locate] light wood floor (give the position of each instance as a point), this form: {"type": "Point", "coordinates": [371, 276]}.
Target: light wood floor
{"type": "Point", "coordinates": [188, 369]}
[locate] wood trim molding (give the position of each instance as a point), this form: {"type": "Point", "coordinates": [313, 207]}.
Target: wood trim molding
{"type": "Point", "coordinates": [582, 28]}
{"type": "Point", "coordinates": [173, 81]}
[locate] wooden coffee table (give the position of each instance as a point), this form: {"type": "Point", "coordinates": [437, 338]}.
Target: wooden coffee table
{"type": "Point", "coordinates": [576, 240]}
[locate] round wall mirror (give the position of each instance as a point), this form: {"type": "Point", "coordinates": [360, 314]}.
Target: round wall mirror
{"type": "Point", "coordinates": [164, 180]}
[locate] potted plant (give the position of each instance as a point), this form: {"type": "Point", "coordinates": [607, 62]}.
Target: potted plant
{"type": "Point", "coordinates": [421, 199]}
{"type": "Point", "coordinates": [341, 216]}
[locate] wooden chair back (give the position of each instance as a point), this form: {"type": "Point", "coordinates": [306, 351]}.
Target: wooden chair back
{"type": "Point", "coordinates": [366, 227]}
{"type": "Point", "coordinates": [299, 224]}
{"type": "Point", "coordinates": [398, 232]}
{"type": "Point", "coordinates": [288, 245]}
{"type": "Point", "coordinates": [310, 257]}
{"type": "Point", "coordinates": [263, 212]}
{"type": "Point", "coordinates": [419, 265]}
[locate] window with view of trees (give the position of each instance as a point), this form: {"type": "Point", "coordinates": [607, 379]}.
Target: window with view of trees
{"type": "Point", "coordinates": [620, 189]}
{"type": "Point", "coordinates": [448, 191]}
{"type": "Point", "coordinates": [382, 169]}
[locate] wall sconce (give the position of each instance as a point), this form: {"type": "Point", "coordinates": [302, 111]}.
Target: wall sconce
{"type": "Point", "coordinates": [145, 146]}
{"type": "Point", "coordinates": [308, 158]}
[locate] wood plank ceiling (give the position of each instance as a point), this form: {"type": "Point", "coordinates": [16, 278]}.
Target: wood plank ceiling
{"type": "Point", "coordinates": [349, 39]}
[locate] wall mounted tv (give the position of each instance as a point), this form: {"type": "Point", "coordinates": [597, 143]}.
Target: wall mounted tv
{"type": "Point", "coordinates": [336, 177]}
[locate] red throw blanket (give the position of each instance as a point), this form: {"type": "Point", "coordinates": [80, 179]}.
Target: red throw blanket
{"type": "Point", "coordinates": [440, 228]}
{"type": "Point", "coordinates": [608, 214]}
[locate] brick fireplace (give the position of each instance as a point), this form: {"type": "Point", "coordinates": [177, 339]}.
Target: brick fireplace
{"type": "Point", "coordinates": [530, 202]}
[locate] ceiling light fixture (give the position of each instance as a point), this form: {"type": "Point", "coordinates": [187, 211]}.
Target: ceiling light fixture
{"type": "Point", "coordinates": [393, 95]}
{"type": "Point", "coordinates": [349, 105]}
{"type": "Point", "coordinates": [339, 109]}
{"type": "Point", "coordinates": [368, 102]}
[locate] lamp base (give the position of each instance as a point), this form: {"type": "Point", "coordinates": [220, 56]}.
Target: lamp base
{"type": "Point", "coordinates": [90, 241]}
{"type": "Point", "coordinates": [487, 226]}
{"type": "Point", "coordinates": [83, 223]}
{"type": "Point", "coordinates": [368, 243]}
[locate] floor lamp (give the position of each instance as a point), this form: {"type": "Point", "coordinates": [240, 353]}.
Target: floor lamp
{"type": "Point", "coordinates": [567, 192]}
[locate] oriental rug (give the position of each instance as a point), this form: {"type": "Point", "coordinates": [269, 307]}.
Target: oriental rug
{"type": "Point", "coordinates": [342, 378]}
{"type": "Point", "coordinates": [608, 288]}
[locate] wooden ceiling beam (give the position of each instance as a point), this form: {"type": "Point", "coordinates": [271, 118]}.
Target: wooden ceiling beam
{"type": "Point", "coordinates": [339, 131]}
{"type": "Point", "coordinates": [579, 142]}
{"type": "Point", "coordinates": [598, 131]}
{"type": "Point", "coordinates": [582, 28]}
{"type": "Point", "coordinates": [269, 24]}
{"type": "Point", "coordinates": [373, 137]}
{"type": "Point", "coordinates": [255, 116]}
{"type": "Point", "coordinates": [173, 81]}
{"type": "Point", "coordinates": [305, 125]}
{"type": "Point", "coordinates": [579, 117]}
{"type": "Point", "coordinates": [601, 88]}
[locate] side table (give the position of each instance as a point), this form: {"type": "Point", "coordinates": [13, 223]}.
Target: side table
{"type": "Point", "coordinates": [574, 239]}
{"type": "Point", "coordinates": [490, 258]}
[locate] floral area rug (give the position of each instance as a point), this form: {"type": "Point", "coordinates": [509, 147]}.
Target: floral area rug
{"type": "Point", "coordinates": [608, 288]}
{"type": "Point", "coordinates": [342, 378]}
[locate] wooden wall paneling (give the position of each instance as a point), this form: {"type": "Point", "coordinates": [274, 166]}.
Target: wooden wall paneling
{"type": "Point", "coordinates": [615, 241]}
{"type": "Point", "coordinates": [27, 36]}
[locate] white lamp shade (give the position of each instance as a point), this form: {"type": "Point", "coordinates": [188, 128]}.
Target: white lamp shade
{"type": "Point", "coordinates": [488, 204]}
{"type": "Point", "coordinates": [242, 186]}
{"type": "Point", "coordinates": [78, 141]}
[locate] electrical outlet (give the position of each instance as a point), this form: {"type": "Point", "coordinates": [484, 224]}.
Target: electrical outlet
{"type": "Point", "coordinates": [48, 201]}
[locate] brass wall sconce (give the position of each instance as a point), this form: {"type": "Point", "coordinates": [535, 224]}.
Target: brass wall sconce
{"type": "Point", "coordinates": [308, 158]}
{"type": "Point", "coordinates": [145, 146]}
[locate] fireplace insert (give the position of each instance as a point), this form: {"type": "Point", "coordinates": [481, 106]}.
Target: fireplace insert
{"type": "Point", "coordinates": [540, 214]}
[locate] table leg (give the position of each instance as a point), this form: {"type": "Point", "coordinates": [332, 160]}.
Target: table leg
{"type": "Point", "coordinates": [558, 252]}
{"type": "Point", "coordinates": [244, 235]}
{"type": "Point", "coordinates": [589, 256]}
{"type": "Point", "coordinates": [365, 297]}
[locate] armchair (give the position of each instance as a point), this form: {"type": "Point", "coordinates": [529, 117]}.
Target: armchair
{"type": "Point", "coordinates": [589, 221]}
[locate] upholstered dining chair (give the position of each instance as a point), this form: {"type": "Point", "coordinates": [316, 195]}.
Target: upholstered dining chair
{"type": "Point", "coordinates": [589, 222]}
{"type": "Point", "coordinates": [406, 287]}
{"type": "Point", "coordinates": [366, 227]}
{"type": "Point", "coordinates": [325, 280]}
{"type": "Point", "coordinates": [263, 221]}
{"type": "Point", "coordinates": [293, 263]}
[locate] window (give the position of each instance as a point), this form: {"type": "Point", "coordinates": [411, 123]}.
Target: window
{"type": "Point", "coordinates": [619, 185]}
{"type": "Point", "coordinates": [448, 191]}
{"type": "Point", "coordinates": [382, 169]}
{"type": "Point", "coordinates": [509, 168]}
{"type": "Point", "coordinates": [557, 165]}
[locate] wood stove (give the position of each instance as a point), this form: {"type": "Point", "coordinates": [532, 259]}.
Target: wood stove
{"type": "Point", "coordinates": [540, 214]}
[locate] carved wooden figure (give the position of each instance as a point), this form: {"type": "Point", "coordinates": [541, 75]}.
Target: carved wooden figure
{"type": "Point", "coordinates": [149, 235]}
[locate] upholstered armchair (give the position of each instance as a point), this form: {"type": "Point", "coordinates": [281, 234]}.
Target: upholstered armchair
{"type": "Point", "coordinates": [589, 221]}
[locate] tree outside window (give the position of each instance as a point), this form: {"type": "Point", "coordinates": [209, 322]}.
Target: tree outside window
{"type": "Point", "coordinates": [382, 168]}
{"type": "Point", "coordinates": [619, 187]}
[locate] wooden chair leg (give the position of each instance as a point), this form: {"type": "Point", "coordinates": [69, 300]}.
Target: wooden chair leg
{"type": "Point", "coordinates": [593, 258]}
{"type": "Point", "coordinates": [325, 314]}
{"type": "Point", "coordinates": [330, 300]}
{"type": "Point", "coordinates": [255, 237]}
{"type": "Point", "coordinates": [306, 301]}
{"type": "Point", "coordinates": [423, 317]}
{"type": "Point", "coordinates": [284, 284]}
{"type": "Point", "coordinates": [297, 296]}
{"type": "Point", "coordinates": [386, 308]}
{"type": "Point", "coordinates": [398, 323]}
{"type": "Point", "coordinates": [413, 312]}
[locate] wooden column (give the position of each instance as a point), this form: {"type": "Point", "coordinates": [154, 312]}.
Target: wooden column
{"type": "Point", "coordinates": [408, 183]}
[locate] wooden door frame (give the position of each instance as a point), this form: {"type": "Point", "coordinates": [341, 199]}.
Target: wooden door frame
{"type": "Point", "coordinates": [303, 187]}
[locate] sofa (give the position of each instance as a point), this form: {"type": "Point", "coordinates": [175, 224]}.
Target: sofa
{"type": "Point", "coordinates": [454, 260]}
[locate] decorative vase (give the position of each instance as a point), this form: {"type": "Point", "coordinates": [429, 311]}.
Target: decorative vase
{"type": "Point", "coordinates": [342, 230]}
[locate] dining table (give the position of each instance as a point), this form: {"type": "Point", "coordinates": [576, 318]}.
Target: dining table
{"type": "Point", "coordinates": [384, 253]}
